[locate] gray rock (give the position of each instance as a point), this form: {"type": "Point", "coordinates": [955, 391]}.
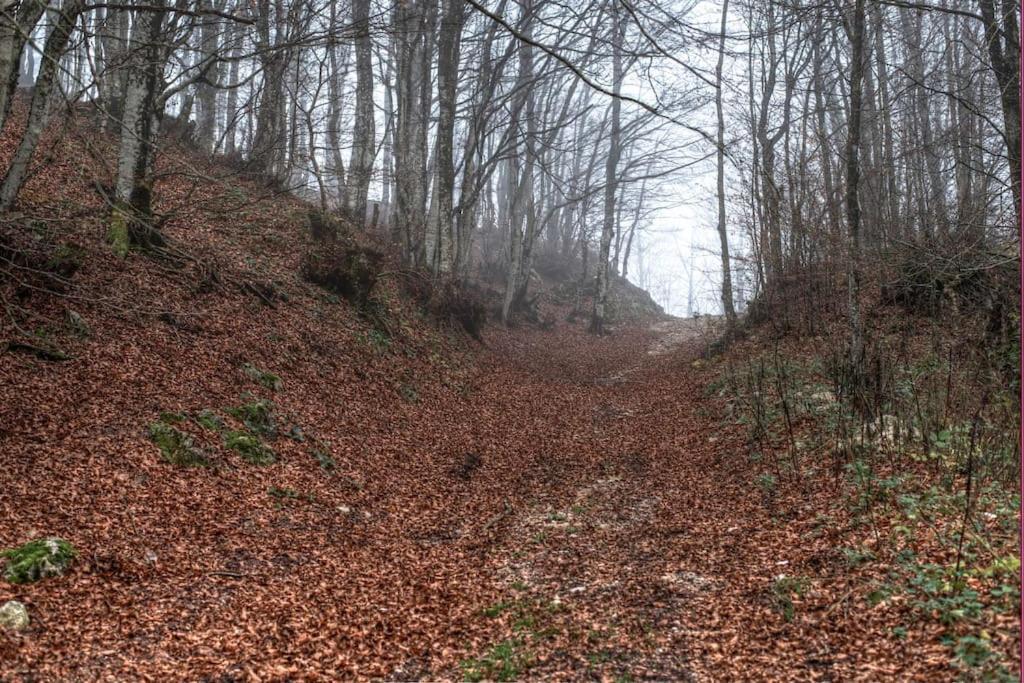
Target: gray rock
{"type": "Point", "coordinates": [13, 616]}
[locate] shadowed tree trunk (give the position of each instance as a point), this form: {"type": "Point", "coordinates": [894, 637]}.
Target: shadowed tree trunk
{"type": "Point", "coordinates": [853, 182]}
{"type": "Point", "coordinates": [131, 219]}
{"type": "Point", "coordinates": [364, 146]}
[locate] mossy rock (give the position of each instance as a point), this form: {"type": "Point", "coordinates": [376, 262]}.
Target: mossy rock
{"type": "Point", "coordinates": [176, 446]}
{"type": "Point", "coordinates": [250, 448]}
{"type": "Point", "coordinates": [262, 377]}
{"type": "Point", "coordinates": [210, 420]}
{"type": "Point", "coordinates": [257, 416]}
{"type": "Point", "coordinates": [38, 559]}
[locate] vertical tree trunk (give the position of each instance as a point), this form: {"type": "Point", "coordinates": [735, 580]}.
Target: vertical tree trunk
{"type": "Point", "coordinates": [1003, 41]}
{"type": "Point", "coordinates": [131, 223]}
{"type": "Point", "coordinates": [270, 140]}
{"type": "Point", "coordinates": [15, 28]}
{"type": "Point", "coordinates": [723, 235]}
{"type": "Point", "coordinates": [364, 145]}
{"type": "Point", "coordinates": [447, 79]}
{"type": "Point", "coordinates": [597, 320]}
{"type": "Point", "coordinates": [39, 111]}
{"type": "Point", "coordinates": [206, 92]}
{"type": "Point", "coordinates": [414, 24]}
{"type": "Point", "coordinates": [114, 41]}
{"type": "Point", "coordinates": [521, 190]}
{"type": "Point", "coordinates": [853, 182]}
{"type": "Point", "coordinates": [231, 108]}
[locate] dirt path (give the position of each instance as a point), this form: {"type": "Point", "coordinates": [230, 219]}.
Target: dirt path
{"type": "Point", "coordinates": [606, 572]}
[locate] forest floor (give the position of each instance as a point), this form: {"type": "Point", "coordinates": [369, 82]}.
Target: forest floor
{"type": "Point", "coordinates": [544, 515]}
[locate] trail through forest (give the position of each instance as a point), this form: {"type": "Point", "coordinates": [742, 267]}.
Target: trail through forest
{"type": "Point", "coordinates": [554, 517]}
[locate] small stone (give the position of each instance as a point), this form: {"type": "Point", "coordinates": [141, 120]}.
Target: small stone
{"type": "Point", "coordinates": [13, 616]}
{"type": "Point", "coordinates": [77, 324]}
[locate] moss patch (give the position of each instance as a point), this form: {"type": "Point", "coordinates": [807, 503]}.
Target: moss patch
{"type": "Point", "coordinates": [38, 559]}
{"type": "Point", "coordinates": [250, 448]}
{"type": "Point", "coordinates": [506, 661]}
{"type": "Point", "coordinates": [262, 377]}
{"type": "Point", "coordinates": [210, 420]}
{"type": "Point", "coordinates": [176, 446]}
{"type": "Point", "coordinates": [257, 416]}
{"type": "Point", "coordinates": [117, 235]}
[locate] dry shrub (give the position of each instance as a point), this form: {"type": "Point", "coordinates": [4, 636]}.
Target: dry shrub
{"type": "Point", "coordinates": [344, 268]}
{"type": "Point", "coordinates": [955, 275]}
{"type": "Point", "coordinates": [449, 300]}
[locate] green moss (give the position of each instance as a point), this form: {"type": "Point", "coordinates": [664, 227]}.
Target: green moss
{"type": "Point", "coordinates": [37, 560]}
{"type": "Point", "coordinates": [250, 448]}
{"type": "Point", "coordinates": [257, 416]}
{"type": "Point", "coordinates": [409, 393]}
{"type": "Point", "coordinates": [118, 235]}
{"type": "Point", "coordinates": [175, 446]}
{"type": "Point", "coordinates": [262, 377]}
{"type": "Point", "coordinates": [506, 661]}
{"type": "Point", "coordinates": [210, 420]}
{"type": "Point", "coordinates": [325, 461]}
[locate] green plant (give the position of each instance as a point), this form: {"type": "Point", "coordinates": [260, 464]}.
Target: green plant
{"type": "Point", "coordinates": [325, 461]}
{"type": "Point", "coordinates": [973, 654]}
{"type": "Point", "coordinates": [378, 340]}
{"type": "Point", "coordinates": [38, 559]}
{"type": "Point", "coordinates": [496, 609]}
{"type": "Point", "coordinates": [855, 557]}
{"type": "Point", "coordinates": [409, 393]}
{"type": "Point", "coordinates": [505, 661]}
{"type": "Point", "coordinates": [783, 589]}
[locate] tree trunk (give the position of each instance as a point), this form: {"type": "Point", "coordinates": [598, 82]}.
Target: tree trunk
{"type": "Point", "coordinates": [723, 235]}
{"type": "Point", "coordinates": [447, 80]}
{"type": "Point", "coordinates": [597, 320]}
{"type": "Point", "coordinates": [15, 28]}
{"type": "Point", "coordinates": [39, 111]}
{"type": "Point", "coordinates": [1004, 56]}
{"type": "Point", "coordinates": [131, 220]}
{"type": "Point", "coordinates": [364, 146]}
{"type": "Point", "coordinates": [853, 182]}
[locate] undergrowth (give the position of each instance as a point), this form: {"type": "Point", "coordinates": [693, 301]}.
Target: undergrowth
{"type": "Point", "coordinates": [920, 446]}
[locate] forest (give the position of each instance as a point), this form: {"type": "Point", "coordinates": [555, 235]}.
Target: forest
{"type": "Point", "coordinates": [341, 340]}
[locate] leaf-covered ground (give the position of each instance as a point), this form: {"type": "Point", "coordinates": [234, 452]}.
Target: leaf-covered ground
{"type": "Point", "coordinates": [530, 513]}
{"type": "Point", "coordinates": [548, 505]}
